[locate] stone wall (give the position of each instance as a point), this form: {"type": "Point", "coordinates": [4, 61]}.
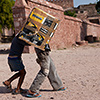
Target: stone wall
{"type": "Point", "coordinates": [69, 31]}
{"type": "Point", "coordinates": [90, 8]}
{"type": "Point", "coordinates": [63, 3]}
{"type": "Point", "coordinates": [87, 12]}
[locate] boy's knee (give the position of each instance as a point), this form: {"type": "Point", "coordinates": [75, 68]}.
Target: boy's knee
{"type": "Point", "coordinates": [46, 72]}
{"type": "Point", "coordinates": [23, 72]}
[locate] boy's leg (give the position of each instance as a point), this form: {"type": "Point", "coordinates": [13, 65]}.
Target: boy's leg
{"type": "Point", "coordinates": [8, 82]}
{"type": "Point", "coordinates": [21, 79]}
{"type": "Point", "coordinates": [53, 77]}
{"type": "Point", "coordinates": [40, 77]}
{"type": "Point", "coordinates": [35, 86]}
{"type": "Point", "coordinates": [45, 63]}
{"type": "Point", "coordinates": [20, 74]}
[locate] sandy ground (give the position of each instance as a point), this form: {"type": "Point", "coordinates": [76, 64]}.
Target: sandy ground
{"type": "Point", "coordinates": [78, 68]}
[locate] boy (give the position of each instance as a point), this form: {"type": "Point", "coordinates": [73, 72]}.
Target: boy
{"type": "Point", "coordinates": [47, 70]}
{"type": "Point", "coordinates": [16, 64]}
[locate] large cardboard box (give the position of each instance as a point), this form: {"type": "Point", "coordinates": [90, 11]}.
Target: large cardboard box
{"type": "Point", "coordinates": [39, 28]}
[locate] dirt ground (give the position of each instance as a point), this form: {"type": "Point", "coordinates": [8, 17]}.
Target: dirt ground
{"type": "Point", "coordinates": [78, 68]}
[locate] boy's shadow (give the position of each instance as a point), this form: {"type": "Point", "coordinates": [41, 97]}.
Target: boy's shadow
{"type": "Point", "coordinates": [4, 90]}
{"type": "Point", "coordinates": [45, 90]}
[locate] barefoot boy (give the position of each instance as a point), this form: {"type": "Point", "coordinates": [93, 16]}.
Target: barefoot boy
{"type": "Point", "coordinates": [16, 64]}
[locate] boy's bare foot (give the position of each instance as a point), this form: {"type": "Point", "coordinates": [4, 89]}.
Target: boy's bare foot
{"type": "Point", "coordinates": [15, 92]}
{"type": "Point", "coordinates": [8, 85]}
{"type": "Point", "coordinates": [18, 91]}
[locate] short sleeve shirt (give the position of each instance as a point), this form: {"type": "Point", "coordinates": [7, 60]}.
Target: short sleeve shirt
{"type": "Point", "coordinates": [17, 47]}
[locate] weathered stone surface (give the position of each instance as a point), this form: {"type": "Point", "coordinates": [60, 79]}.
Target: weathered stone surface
{"type": "Point", "coordinates": [63, 3]}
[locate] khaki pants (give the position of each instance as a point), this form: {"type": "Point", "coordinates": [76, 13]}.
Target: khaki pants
{"type": "Point", "coordinates": [47, 70]}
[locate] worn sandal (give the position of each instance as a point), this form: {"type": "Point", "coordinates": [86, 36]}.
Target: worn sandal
{"type": "Point", "coordinates": [14, 92]}
{"type": "Point", "coordinates": [8, 86]}
{"type": "Point", "coordinates": [35, 95]}
{"type": "Point", "coordinates": [62, 89]}
{"type": "Point", "coordinates": [21, 91]}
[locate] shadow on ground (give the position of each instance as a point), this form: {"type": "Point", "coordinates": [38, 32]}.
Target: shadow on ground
{"type": "Point", "coordinates": [4, 90]}
{"type": "Point", "coordinates": [45, 90]}
{"type": "Point", "coordinates": [4, 51]}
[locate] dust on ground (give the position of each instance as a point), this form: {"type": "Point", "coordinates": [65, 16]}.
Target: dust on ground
{"type": "Point", "coordinates": [78, 68]}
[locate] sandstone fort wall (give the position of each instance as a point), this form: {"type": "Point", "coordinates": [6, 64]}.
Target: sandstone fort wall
{"type": "Point", "coordinates": [63, 3]}
{"type": "Point", "coordinates": [69, 31]}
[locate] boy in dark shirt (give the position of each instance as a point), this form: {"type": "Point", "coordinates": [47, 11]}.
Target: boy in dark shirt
{"type": "Point", "coordinates": [16, 64]}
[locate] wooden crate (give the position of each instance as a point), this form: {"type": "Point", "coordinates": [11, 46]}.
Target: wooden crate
{"type": "Point", "coordinates": [39, 28]}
